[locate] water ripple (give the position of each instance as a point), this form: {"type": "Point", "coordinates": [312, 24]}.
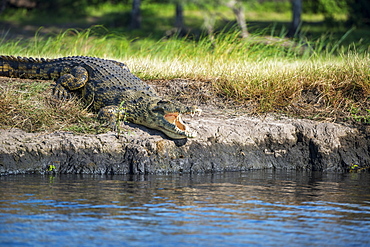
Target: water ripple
{"type": "Point", "coordinates": [231, 210]}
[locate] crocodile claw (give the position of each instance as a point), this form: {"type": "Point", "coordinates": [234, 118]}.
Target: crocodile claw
{"type": "Point", "coordinates": [60, 92]}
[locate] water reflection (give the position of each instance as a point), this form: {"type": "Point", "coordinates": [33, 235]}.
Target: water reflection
{"type": "Point", "coordinates": [273, 207]}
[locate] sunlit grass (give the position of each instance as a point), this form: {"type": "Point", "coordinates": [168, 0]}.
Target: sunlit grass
{"type": "Point", "coordinates": [271, 74]}
{"type": "Point", "coordinates": [243, 68]}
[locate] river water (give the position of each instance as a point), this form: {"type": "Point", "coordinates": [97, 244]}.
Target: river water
{"type": "Point", "coordinates": [255, 208]}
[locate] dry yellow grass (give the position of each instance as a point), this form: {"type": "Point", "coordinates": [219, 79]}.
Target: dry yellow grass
{"type": "Point", "coordinates": [321, 82]}
{"type": "Point", "coordinates": [29, 105]}
{"type": "Point", "coordinates": [339, 83]}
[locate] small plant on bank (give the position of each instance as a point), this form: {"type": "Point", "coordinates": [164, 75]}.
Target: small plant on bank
{"type": "Point", "coordinates": [120, 117]}
{"type": "Point", "coordinates": [357, 169]}
{"type": "Point", "coordinates": [359, 115]}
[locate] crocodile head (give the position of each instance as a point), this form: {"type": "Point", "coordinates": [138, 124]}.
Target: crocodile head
{"type": "Point", "coordinates": [165, 115]}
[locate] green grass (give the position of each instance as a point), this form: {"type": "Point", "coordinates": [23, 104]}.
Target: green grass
{"type": "Point", "coordinates": [274, 74]}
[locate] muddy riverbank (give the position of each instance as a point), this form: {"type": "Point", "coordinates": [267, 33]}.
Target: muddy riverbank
{"type": "Point", "coordinates": [224, 144]}
{"type": "Point", "coordinates": [230, 138]}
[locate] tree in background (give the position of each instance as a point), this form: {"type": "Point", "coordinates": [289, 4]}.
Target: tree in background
{"type": "Point", "coordinates": [238, 9]}
{"type": "Point", "coordinates": [179, 17]}
{"type": "Point", "coordinates": [210, 16]}
{"type": "Point", "coordinates": [359, 12]}
{"type": "Point", "coordinates": [296, 20]}
{"type": "Point", "coordinates": [2, 5]}
{"type": "Point", "coordinates": [135, 22]}
{"type": "Point", "coordinates": [179, 24]}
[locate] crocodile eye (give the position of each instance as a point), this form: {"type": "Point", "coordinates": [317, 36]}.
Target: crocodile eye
{"type": "Point", "coordinates": [158, 109]}
{"type": "Point", "coordinates": [163, 102]}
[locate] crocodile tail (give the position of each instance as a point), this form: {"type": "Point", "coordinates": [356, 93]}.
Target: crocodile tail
{"type": "Point", "coordinates": [5, 65]}
{"type": "Point", "coordinates": [20, 67]}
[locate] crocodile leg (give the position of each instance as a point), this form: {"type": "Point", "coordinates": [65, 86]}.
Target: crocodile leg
{"type": "Point", "coordinates": [112, 116]}
{"type": "Point", "coordinates": [74, 80]}
{"type": "Point", "coordinates": [108, 116]}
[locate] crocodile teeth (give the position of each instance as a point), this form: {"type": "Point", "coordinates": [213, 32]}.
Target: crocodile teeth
{"type": "Point", "coordinates": [179, 126]}
{"type": "Point", "coordinates": [175, 119]}
{"type": "Point", "coordinates": [192, 113]}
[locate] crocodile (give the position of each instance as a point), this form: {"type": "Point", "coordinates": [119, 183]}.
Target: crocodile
{"type": "Point", "coordinates": [108, 88]}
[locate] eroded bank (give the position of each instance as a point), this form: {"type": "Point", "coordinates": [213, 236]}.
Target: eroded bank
{"type": "Point", "coordinates": [223, 144]}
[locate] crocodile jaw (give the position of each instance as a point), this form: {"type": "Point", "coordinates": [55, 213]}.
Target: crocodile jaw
{"type": "Point", "coordinates": [161, 114]}
{"type": "Point", "coordinates": [170, 124]}
{"type": "Point", "coordinates": [175, 128]}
